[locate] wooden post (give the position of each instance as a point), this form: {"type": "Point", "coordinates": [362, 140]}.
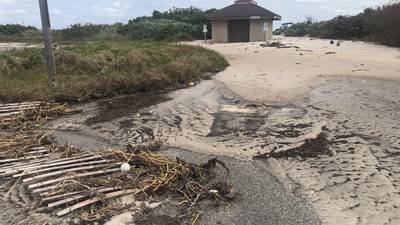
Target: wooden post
{"type": "Point", "coordinates": [205, 33]}
{"type": "Point", "coordinates": [48, 43]}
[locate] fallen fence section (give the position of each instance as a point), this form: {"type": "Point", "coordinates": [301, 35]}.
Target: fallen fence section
{"type": "Point", "coordinates": [54, 175]}
{"type": "Point", "coordinates": [64, 179]}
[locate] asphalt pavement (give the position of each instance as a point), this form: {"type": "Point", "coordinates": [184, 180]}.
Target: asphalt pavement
{"type": "Point", "coordinates": [262, 198]}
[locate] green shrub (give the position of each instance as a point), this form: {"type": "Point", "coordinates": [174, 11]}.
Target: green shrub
{"type": "Point", "coordinates": [18, 60]}
{"type": "Point", "coordinates": [81, 31]}
{"type": "Point", "coordinates": [381, 24]}
{"type": "Point", "coordinates": [4, 67]}
{"type": "Point", "coordinates": [181, 20]}
{"type": "Point", "coordinates": [15, 29]}
{"type": "Point", "coordinates": [160, 26]}
{"type": "Point", "coordinates": [155, 29]}
{"type": "Point", "coordinates": [181, 37]}
{"type": "Point", "coordinates": [19, 33]}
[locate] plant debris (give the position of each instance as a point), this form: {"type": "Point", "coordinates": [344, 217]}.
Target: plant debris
{"type": "Point", "coordinates": [66, 180]}
{"type": "Point", "coordinates": [20, 123]}
{"type": "Point", "coordinates": [278, 45]}
{"type": "Point", "coordinates": [311, 148]}
{"type": "Point", "coordinates": [126, 105]}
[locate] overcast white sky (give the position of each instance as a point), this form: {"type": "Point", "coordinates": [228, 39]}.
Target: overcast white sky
{"type": "Point", "coordinates": [66, 12]}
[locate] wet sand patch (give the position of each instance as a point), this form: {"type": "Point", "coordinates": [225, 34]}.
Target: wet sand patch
{"type": "Point", "coordinates": [123, 106]}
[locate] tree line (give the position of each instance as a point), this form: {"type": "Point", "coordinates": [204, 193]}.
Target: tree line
{"type": "Point", "coordinates": [180, 24]}
{"type": "Point", "coordinates": [380, 24]}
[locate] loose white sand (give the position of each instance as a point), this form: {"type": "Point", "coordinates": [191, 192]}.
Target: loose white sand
{"type": "Point", "coordinates": [359, 183]}
{"type": "Point", "coordinates": [11, 46]}
{"type": "Point", "coordinates": [271, 74]}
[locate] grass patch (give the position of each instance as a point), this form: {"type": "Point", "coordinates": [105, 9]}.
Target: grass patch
{"type": "Point", "coordinates": [93, 70]}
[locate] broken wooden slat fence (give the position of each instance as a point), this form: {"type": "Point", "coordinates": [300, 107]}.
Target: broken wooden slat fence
{"type": "Point", "coordinates": [43, 172]}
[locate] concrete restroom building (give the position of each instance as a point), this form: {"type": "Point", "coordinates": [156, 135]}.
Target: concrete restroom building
{"type": "Point", "coordinates": [244, 21]}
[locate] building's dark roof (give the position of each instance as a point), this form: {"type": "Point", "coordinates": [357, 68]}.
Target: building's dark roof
{"type": "Point", "coordinates": [243, 11]}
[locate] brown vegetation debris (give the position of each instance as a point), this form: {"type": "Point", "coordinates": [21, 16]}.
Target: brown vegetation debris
{"type": "Point", "coordinates": [311, 148]}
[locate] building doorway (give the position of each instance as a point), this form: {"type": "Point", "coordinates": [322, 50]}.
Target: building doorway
{"type": "Point", "coordinates": [239, 30]}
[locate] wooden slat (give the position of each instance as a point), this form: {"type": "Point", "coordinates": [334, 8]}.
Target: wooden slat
{"type": "Point", "coordinates": [79, 196]}
{"type": "Point", "coordinates": [36, 152]}
{"type": "Point", "coordinates": [49, 182]}
{"type": "Point", "coordinates": [10, 114]}
{"type": "Point", "coordinates": [97, 199]}
{"type": "Point", "coordinates": [39, 177]}
{"type": "Point", "coordinates": [37, 148]}
{"type": "Point", "coordinates": [22, 109]}
{"type": "Point", "coordinates": [21, 159]}
{"type": "Point", "coordinates": [48, 197]}
{"type": "Point", "coordinates": [49, 163]}
{"type": "Point", "coordinates": [56, 163]}
{"type": "Point", "coordinates": [21, 165]}
{"type": "Point", "coordinates": [22, 103]}
{"type": "Point", "coordinates": [7, 165]}
{"type": "Point", "coordinates": [27, 173]}
{"type": "Point", "coordinates": [45, 189]}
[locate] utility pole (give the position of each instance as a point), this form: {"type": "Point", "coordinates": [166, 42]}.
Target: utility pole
{"type": "Point", "coordinates": [48, 43]}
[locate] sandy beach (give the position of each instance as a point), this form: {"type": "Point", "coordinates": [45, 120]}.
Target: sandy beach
{"type": "Point", "coordinates": [11, 46]}
{"type": "Point", "coordinates": [325, 125]}
{"type": "Point", "coordinates": [310, 131]}
{"type": "Point", "coordinates": [353, 90]}
{"type": "Point", "coordinates": [274, 75]}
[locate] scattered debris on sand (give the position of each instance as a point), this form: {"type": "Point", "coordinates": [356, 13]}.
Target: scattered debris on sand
{"type": "Point", "coordinates": [360, 70]}
{"type": "Point", "coordinates": [20, 135]}
{"type": "Point", "coordinates": [304, 50]}
{"type": "Point", "coordinates": [65, 180]}
{"type": "Point", "coordinates": [278, 45]}
{"type": "Point", "coordinates": [125, 105]}
{"type": "Point", "coordinates": [311, 148]}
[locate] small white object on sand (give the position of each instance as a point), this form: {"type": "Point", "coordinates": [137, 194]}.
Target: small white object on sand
{"type": "Point", "coordinates": [125, 168]}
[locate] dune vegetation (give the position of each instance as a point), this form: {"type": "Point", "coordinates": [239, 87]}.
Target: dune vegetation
{"type": "Point", "coordinates": [380, 25]}
{"type": "Point", "coordinates": [91, 70]}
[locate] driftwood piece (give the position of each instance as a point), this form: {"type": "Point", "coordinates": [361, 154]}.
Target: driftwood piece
{"type": "Point", "coordinates": [97, 199]}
